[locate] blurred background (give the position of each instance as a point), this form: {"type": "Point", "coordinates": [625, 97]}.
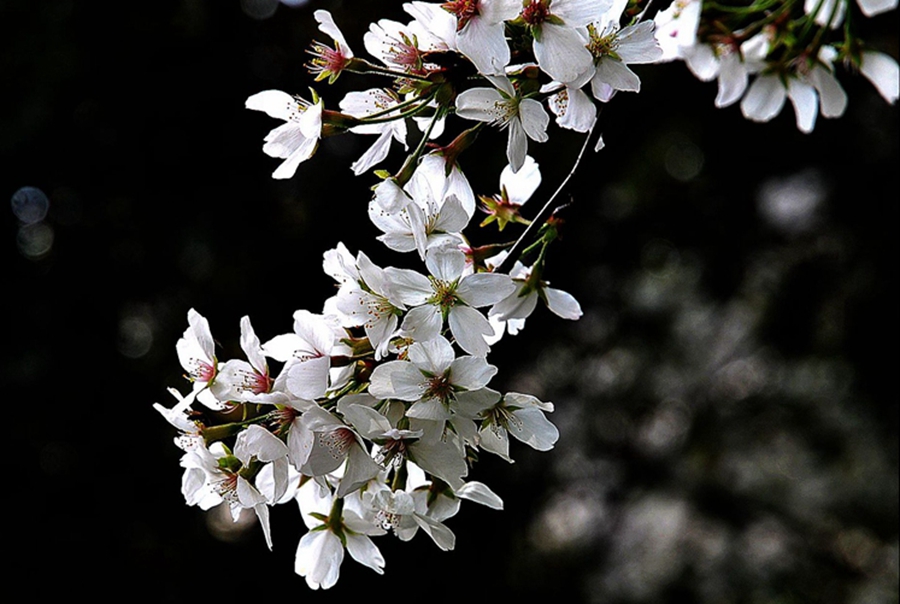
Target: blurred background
{"type": "Point", "coordinates": [727, 405]}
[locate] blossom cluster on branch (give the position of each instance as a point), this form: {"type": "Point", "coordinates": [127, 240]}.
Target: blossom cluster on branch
{"type": "Point", "coordinates": [371, 412]}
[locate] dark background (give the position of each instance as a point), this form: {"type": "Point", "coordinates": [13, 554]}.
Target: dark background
{"type": "Point", "coordinates": [727, 405]}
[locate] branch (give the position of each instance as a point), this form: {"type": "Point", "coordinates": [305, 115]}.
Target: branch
{"type": "Point", "coordinates": [548, 209]}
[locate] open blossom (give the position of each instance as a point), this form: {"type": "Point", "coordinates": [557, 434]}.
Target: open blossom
{"type": "Point", "coordinates": [332, 526]}
{"type": "Point", "coordinates": [448, 295]}
{"type": "Point", "coordinates": [556, 26]}
{"type": "Point", "coordinates": [519, 415]}
{"type": "Point", "coordinates": [306, 354]}
{"type": "Point", "coordinates": [441, 387]}
{"type": "Point", "coordinates": [329, 62]}
{"type": "Point", "coordinates": [249, 380]}
{"type": "Point", "coordinates": [503, 106]}
{"type": "Point", "coordinates": [613, 49]}
{"type": "Point", "coordinates": [196, 352]}
{"type": "Point", "coordinates": [367, 102]}
{"type": "Point", "coordinates": [676, 28]}
{"type": "Point", "coordinates": [403, 46]}
{"type": "Point", "coordinates": [480, 31]}
{"type": "Point", "coordinates": [432, 217]}
{"type": "Point", "coordinates": [370, 303]}
{"type": "Point", "coordinates": [811, 89]}
{"type": "Point", "coordinates": [731, 64]}
{"type": "Point", "coordinates": [296, 140]}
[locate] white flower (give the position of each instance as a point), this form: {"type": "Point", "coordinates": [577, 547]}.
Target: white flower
{"type": "Point", "coordinates": [448, 294]}
{"type": "Point", "coordinates": [196, 352]}
{"type": "Point", "coordinates": [307, 354]}
{"type": "Point", "coordinates": [440, 457]}
{"type": "Point", "coordinates": [613, 50]}
{"type": "Point", "coordinates": [481, 33]}
{"type": "Point", "coordinates": [522, 416]}
{"type": "Point", "coordinates": [425, 213]}
{"type": "Point", "coordinates": [328, 62]}
{"type": "Point", "coordinates": [730, 64]}
{"type": "Point", "coordinates": [402, 46]}
{"type": "Point", "coordinates": [442, 388]}
{"type": "Point", "coordinates": [502, 106]}
{"type": "Point", "coordinates": [362, 103]}
{"type": "Point", "coordinates": [573, 109]}
{"type": "Point", "coordinates": [249, 381]}
{"type": "Point", "coordinates": [529, 288]}
{"type": "Point", "coordinates": [558, 43]}
{"type": "Point", "coordinates": [331, 521]}
{"type": "Point", "coordinates": [296, 140]}
{"type": "Point", "coordinates": [334, 444]}
{"type": "Point", "coordinates": [676, 28]}
{"type": "Point", "coordinates": [810, 90]}
{"type": "Point", "coordinates": [369, 302]}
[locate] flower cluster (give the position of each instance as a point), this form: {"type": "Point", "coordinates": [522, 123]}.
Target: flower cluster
{"type": "Point", "coordinates": [791, 52]}
{"type": "Point", "coordinates": [371, 411]}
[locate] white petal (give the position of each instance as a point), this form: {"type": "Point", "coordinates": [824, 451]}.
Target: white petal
{"type": "Point", "coordinates": [515, 306]}
{"type": "Point", "coordinates": [374, 154]}
{"type": "Point", "coordinates": [521, 185]}
{"type": "Point", "coordinates": [534, 121]}
{"type": "Point", "coordinates": [446, 264]}
{"type": "Point", "coordinates": [882, 71]}
{"type": "Point", "coordinates": [433, 356]}
{"type": "Point", "coordinates": [577, 13]}
{"type": "Point", "coordinates": [574, 109]}
{"type": "Point", "coordinates": [390, 197]}
{"type": "Point", "coordinates": [485, 45]}
{"type": "Point", "coordinates": [534, 429]}
{"type": "Point", "coordinates": [481, 104]}
{"type": "Point", "coordinates": [480, 493]}
{"type": "Point", "coordinates": [562, 304]}
{"type": "Point", "coordinates": [442, 536]}
{"type": "Point", "coordinates": [361, 549]}
{"type": "Point", "coordinates": [832, 98]}
{"type": "Point", "coordinates": [561, 53]}
{"type": "Point", "coordinates": [274, 103]}
{"type": "Point", "coordinates": [871, 8]}
{"type": "Point", "coordinates": [308, 379]}
{"type": "Point", "coordinates": [469, 327]}
{"type": "Point", "coordinates": [733, 80]}
{"type": "Point", "coordinates": [702, 61]}
{"type": "Point", "coordinates": [471, 373]}
{"type": "Point", "coordinates": [408, 286]}
{"type": "Point", "coordinates": [397, 379]}
{"type": "Point", "coordinates": [496, 442]}
{"type": "Point", "coordinates": [422, 323]}
{"type": "Point", "coordinates": [616, 75]}
{"type": "Point", "coordinates": [483, 289]}
{"type": "Point", "coordinates": [637, 44]}
{"type": "Point", "coordinates": [806, 104]}
{"type": "Point", "coordinates": [764, 99]}
{"type": "Point", "coordinates": [319, 557]}
{"type": "Point", "coordinates": [326, 25]}
{"type": "Point", "coordinates": [516, 145]}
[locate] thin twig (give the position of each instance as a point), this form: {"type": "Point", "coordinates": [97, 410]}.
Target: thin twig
{"type": "Point", "coordinates": [546, 211]}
